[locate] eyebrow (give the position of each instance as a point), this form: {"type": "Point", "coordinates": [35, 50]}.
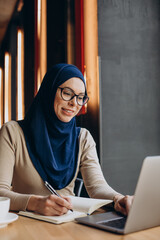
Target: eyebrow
{"type": "Point", "coordinates": [74, 91]}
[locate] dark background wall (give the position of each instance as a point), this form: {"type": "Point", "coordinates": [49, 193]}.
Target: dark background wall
{"type": "Point", "coordinates": [56, 32]}
{"type": "Point", "coordinates": [56, 40]}
{"type": "Point", "coordinates": [129, 50]}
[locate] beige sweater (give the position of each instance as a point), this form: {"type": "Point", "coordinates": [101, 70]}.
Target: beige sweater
{"type": "Point", "coordinates": [17, 170]}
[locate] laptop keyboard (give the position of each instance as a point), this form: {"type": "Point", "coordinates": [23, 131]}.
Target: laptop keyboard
{"type": "Point", "coordinates": [117, 223]}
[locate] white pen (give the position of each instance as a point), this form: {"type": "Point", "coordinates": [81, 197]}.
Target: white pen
{"type": "Point", "coordinates": [53, 191]}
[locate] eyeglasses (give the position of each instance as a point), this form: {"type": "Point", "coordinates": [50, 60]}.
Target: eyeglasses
{"type": "Point", "coordinates": [68, 94]}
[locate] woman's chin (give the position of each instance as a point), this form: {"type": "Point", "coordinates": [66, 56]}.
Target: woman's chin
{"type": "Point", "coordinates": [65, 119]}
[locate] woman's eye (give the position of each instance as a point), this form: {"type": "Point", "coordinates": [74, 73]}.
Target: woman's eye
{"type": "Point", "coordinates": [67, 93]}
{"type": "Point", "coordinates": [80, 97]}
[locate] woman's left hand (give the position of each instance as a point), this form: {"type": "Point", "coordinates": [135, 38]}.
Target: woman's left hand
{"type": "Point", "coordinates": [122, 203]}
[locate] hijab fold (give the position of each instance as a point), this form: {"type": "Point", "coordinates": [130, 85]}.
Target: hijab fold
{"type": "Point", "coordinates": [53, 145]}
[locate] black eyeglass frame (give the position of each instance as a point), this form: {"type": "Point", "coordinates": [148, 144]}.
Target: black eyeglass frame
{"type": "Point", "coordinates": [85, 96]}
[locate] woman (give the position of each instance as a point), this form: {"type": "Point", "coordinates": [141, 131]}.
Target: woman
{"type": "Point", "coordinates": [47, 146]}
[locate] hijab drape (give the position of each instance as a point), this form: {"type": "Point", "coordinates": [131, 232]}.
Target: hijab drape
{"type": "Point", "coordinates": [53, 145]}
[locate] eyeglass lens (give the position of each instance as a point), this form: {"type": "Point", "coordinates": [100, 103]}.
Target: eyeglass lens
{"type": "Point", "coordinates": [68, 94]}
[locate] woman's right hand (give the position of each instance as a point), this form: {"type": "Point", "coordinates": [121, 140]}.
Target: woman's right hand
{"type": "Point", "coordinates": [123, 203]}
{"type": "Point", "coordinates": [51, 205]}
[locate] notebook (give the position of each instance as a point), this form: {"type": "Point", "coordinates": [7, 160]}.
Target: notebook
{"type": "Point", "coordinates": [145, 210]}
{"type": "Point", "coordinates": [81, 207]}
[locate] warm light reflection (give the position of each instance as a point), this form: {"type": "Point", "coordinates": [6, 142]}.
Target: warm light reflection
{"type": "Point", "coordinates": [91, 54]}
{"type": "Point", "coordinates": [7, 87]}
{"type": "Point", "coordinates": [70, 35]}
{"type": "Point", "coordinates": [38, 78]}
{"type": "Point", "coordinates": [43, 39]}
{"type": "Point", "coordinates": [85, 106]}
{"type": "Point", "coordinates": [38, 36]}
{"type": "Point", "coordinates": [41, 43]}
{"type": "Point", "coordinates": [39, 18]}
{"type": "Point", "coordinates": [1, 97]}
{"type": "Point", "coordinates": [20, 75]}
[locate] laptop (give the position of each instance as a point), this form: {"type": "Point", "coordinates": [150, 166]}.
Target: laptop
{"type": "Point", "coordinates": [145, 210]}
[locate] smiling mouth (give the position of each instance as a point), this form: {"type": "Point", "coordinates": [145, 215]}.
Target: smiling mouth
{"type": "Point", "coordinates": [68, 111]}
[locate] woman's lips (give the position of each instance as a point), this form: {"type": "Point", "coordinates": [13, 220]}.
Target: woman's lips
{"type": "Point", "coordinates": [68, 112]}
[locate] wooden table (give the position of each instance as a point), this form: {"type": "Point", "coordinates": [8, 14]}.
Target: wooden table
{"type": "Point", "coordinates": [30, 229]}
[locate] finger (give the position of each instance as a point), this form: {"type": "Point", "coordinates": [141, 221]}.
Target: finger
{"type": "Point", "coordinates": [126, 203]}
{"type": "Point", "coordinates": [67, 199]}
{"type": "Point", "coordinates": [52, 211]}
{"type": "Point", "coordinates": [129, 201]}
{"type": "Point", "coordinates": [54, 207]}
{"type": "Point", "coordinates": [120, 208]}
{"type": "Point", "coordinates": [120, 205]}
{"type": "Point", "coordinates": [60, 210]}
{"type": "Point", "coordinates": [61, 203]}
{"type": "Point", "coordinates": [123, 201]}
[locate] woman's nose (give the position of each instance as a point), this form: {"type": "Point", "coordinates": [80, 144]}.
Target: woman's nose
{"type": "Point", "coordinates": [73, 101]}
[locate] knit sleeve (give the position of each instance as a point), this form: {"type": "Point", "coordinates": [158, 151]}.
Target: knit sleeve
{"type": "Point", "coordinates": [8, 148]}
{"type": "Point", "coordinates": [94, 181]}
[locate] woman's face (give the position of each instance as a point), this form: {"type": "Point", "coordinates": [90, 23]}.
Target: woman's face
{"type": "Point", "coordinates": [66, 110]}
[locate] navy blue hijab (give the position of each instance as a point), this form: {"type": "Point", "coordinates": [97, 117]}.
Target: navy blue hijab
{"type": "Point", "coordinates": [53, 145]}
